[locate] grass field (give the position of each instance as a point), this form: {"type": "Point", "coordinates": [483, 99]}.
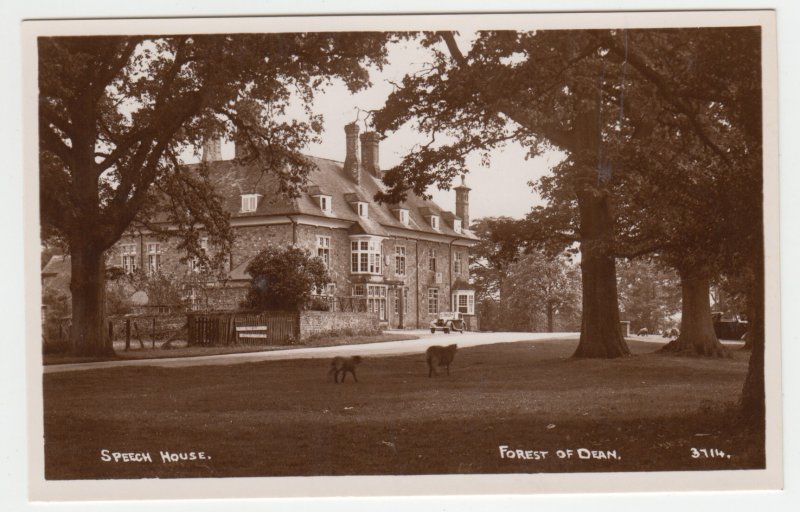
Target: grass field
{"type": "Point", "coordinates": [643, 413]}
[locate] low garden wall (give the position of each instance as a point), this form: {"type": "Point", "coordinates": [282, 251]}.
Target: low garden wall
{"type": "Point", "coordinates": [318, 323]}
{"type": "Point", "coordinates": [282, 327]}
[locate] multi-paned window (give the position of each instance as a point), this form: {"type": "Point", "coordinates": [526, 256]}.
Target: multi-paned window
{"type": "Point", "coordinates": [400, 260]}
{"type": "Point", "coordinates": [458, 264]}
{"type": "Point", "coordinates": [324, 249]}
{"type": "Point", "coordinates": [196, 264]}
{"type": "Point", "coordinates": [433, 301]}
{"type": "Point", "coordinates": [376, 297]}
{"type": "Point", "coordinates": [129, 258]}
{"type": "Point", "coordinates": [376, 300]}
{"type": "Point", "coordinates": [464, 302]}
{"type": "Point", "coordinates": [365, 256]}
{"type": "Point", "coordinates": [249, 202]}
{"type": "Point", "coordinates": [432, 260]}
{"type": "Point", "coordinates": [153, 258]}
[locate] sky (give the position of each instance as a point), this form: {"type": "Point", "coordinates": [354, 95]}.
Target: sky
{"type": "Point", "coordinates": [498, 190]}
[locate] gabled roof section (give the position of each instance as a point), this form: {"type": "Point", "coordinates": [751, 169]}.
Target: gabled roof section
{"type": "Point", "coordinates": [239, 273]}
{"type": "Point", "coordinates": [365, 226]}
{"type": "Point", "coordinates": [356, 197]}
{"type": "Point", "coordinates": [59, 264]}
{"type": "Point", "coordinates": [314, 190]}
{"type": "Point", "coordinates": [328, 178]}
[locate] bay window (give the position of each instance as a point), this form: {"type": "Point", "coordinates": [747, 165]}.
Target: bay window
{"type": "Point", "coordinates": [365, 256]}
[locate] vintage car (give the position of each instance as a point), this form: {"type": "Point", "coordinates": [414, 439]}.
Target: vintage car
{"type": "Point", "coordinates": [729, 326]}
{"type": "Point", "coordinates": [447, 322]}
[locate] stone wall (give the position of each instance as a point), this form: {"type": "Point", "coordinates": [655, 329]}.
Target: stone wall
{"type": "Point", "coordinates": [225, 298]}
{"type": "Point", "coordinates": [314, 323]}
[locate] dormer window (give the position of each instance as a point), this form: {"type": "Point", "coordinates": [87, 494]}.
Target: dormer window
{"type": "Point", "coordinates": [325, 204]}
{"type": "Point", "coordinates": [363, 209]}
{"type": "Point", "coordinates": [457, 225]}
{"type": "Point", "coordinates": [403, 214]}
{"type": "Point", "coordinates": [435, 222]}
{"type": "Point", "coordinates": [250, 202]}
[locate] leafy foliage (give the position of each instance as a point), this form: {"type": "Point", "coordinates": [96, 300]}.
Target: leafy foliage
{"type": "Point", "coordinates": [660, 130]}
{"type": "Point", "coordinates": [502, 241]}
{"type": "Point", "coordinates": [116, 114]}
{"type": "Point", "coordinates": [284, 278]}
{"type": "Point", "coordinates": [649, 294]}
{"type": "Point", "coordinates": [519, 287]}
{"type": "Point", "coordinates": [542, 294]}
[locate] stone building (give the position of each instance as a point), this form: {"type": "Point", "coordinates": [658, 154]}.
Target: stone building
{"type": "Point", "coordinates": [407, 261]}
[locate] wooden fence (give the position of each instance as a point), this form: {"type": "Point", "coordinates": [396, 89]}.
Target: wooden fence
{"type": "Point", "coordinates": [220, 328]}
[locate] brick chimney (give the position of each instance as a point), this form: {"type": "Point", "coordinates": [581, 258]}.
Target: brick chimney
{"type": "Point", "coordinates": [369, 153]}
{"type": "Point", "coordinates": [212, 149]}
{"type": "Point", "coordinates": [462, 203]}
{"type": "Point", "coordinates": [241, 148]}
{"type": "Point", "coordinates": [351, 160]}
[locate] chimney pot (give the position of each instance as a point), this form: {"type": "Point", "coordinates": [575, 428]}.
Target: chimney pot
{"type": "Point", "coordinates": [462, 203]}
{"type": "Point", "coordinates": [369, 153]}
{"type": "Point", "coordinates": [351, 160]}
{"type": "Point", "coordinates": [212, 149]}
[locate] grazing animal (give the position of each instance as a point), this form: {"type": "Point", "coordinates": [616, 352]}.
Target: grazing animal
{"type": "Point", "coordinates": [643, 332]}
{"type": "Point", "coordinates": [342, 365]}
{"type": "Point", "coordinates": [440, 356]}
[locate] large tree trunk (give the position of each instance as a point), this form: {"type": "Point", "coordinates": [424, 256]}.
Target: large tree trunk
{"type": "Point", "coordinates": [89, 337]}
{"type": "Point", "coordinates": [753, 393]}
{"type": "Point", "coordinates": [697, 328]}
{"type": "Point", "coordinates": [550, 313]}
{"type": "Point", "coordinates": [600, 329]}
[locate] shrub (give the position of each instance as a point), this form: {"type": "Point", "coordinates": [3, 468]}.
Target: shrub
{"type": "Point", "coordinates": [283, 278]}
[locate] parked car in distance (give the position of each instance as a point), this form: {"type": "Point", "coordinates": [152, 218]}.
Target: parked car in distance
{"type": "Point", "coordinates": [448, 321]}
{"type": "Point", "coordinates": [729, 326]}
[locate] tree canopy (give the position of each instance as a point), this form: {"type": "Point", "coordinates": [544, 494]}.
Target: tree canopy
{"type": "Point", "coordinates": [116, 115]}
{"type": "Point", "coordinates": [661, 129]}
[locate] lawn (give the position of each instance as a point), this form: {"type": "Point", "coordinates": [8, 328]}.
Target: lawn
{"type": "Point", "coordinates": [646, 412]}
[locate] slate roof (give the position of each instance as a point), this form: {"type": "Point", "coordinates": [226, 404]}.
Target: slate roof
{"type": "Point", "coordinates": [329, 178]}
{"type": "Point", "coordinates": [59, 264]}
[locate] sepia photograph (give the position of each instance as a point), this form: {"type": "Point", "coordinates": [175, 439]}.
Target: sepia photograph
{"type": "Point", "coordinates": [402, 255]}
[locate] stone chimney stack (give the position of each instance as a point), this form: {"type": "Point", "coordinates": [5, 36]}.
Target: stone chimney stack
{"type": "Point", "coordinates": [462, 203]}
{"type": "Point", "coordinates": [212, 149]}
{"type": "Point", "coordinates": [369, 153]}
{"type": "Point", "coordinates": [241, 148]}
{"type": "Point", "coordinates": [351, 160]}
